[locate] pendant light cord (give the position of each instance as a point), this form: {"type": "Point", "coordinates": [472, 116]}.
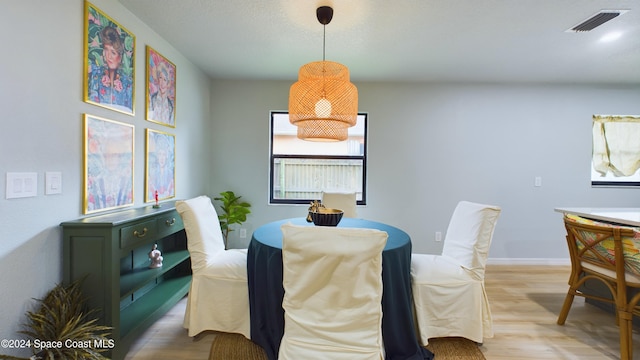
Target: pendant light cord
{"type": "Point", "coordinates": [324, 37]}
{"type": "Point", "coordinates": [324, 15]}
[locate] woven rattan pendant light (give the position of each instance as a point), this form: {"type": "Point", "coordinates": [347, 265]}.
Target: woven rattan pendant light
{"type": "Point", "coordinates": [323, 103]}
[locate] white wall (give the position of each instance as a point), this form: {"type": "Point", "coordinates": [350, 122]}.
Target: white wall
{"type": "Point", "coordinates": [41, 130]}
{"type": "Point", "coordinates": [431, 145]}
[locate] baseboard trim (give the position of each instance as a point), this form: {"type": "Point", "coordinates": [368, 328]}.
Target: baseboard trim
{"type": "Point", "coordinates": [528, 261]}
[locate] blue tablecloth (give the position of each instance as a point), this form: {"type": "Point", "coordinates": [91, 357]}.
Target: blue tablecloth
{"type": "Point", "coordinates": [264, 267]}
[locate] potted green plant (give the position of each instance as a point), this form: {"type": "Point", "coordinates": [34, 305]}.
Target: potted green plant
{"type": "Point", "coordinates": [234, 211]}
{"type": "Point", "coordinates": [62, 328]}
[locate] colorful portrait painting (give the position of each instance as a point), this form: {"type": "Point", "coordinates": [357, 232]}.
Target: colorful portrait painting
{"type": "Point", "coordinates": [108, 164]}
{"type": "Point", "coordinates": [161, 167]}
{"type": "Point", "coordinates": [161, 89]}
{"type": "Point", "coordinates": [109, 62]}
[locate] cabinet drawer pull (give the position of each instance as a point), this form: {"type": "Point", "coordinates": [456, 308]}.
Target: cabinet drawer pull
{"type": "Point", "coordinates": [170, 222]}
{"type": "Point", "coordinates": [140, 235]}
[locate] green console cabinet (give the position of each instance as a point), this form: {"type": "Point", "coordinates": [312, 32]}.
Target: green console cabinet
{"type": "Point", "coordinates": [111, 251]}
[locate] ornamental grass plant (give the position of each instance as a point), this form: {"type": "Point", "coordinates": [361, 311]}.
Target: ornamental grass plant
{"type": "Point", "coordinates": [61, 327]}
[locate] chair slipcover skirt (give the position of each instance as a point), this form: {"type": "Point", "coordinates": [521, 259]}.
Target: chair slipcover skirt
{"type": "Point", "coordinates": [448, 300]}
{"type": "Point", "coordinates": [218, 296]}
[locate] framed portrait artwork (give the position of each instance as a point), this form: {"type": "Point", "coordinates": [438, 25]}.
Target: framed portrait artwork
{"type": "Point", "coordinates": [109, 70]}
{"type": "Point", "coordinates": [161, 89]}
{"type": "Point", "coordinates": [615, 153]}
{"type": "Point", "coordinates": [108, 164]}
{"type": "Point", "coordinates": [160, 166]}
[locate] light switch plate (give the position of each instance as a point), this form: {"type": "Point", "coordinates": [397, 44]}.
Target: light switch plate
{"type": "Point", "coordinates": [52, 182]}
{"type": "Point", "coordinates": [537, 182]}
{"type": "Point", "coordinates": [20, 185]}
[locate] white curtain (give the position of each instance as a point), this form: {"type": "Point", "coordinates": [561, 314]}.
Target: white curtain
{"type": "Point", "coordinates": [616, 144]}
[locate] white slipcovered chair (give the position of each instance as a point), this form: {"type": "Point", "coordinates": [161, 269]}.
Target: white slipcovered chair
{"type": "Point", "coordinates": [345, 201]}
{"type": "Point", "coordinates": [448, 289]}
{"type": "Point", "coordinates": [218, 297]}
{"type": "Point", "coordinates": [332, 280]}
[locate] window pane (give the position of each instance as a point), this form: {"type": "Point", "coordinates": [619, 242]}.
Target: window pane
{"type": "Point", "coordinates": [299, 178]}
{"type": "Point", "coordinates": [285, 141]}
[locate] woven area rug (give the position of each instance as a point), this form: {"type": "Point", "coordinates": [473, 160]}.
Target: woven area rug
{"type": "Point", "coordinates": [237, 347]}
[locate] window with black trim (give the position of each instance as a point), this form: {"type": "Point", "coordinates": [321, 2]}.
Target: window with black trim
{"type": "Point", "coordinates": [301, 170]}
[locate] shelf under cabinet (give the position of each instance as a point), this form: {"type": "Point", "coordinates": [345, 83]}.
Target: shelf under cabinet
{"type": "Point", "coordinates": [153, 304]}
{"type": "Point", "coordinates": [134, 279]}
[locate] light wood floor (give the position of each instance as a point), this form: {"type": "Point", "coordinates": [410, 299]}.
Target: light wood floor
{"type": "Point", "coordinates": [525, 302]}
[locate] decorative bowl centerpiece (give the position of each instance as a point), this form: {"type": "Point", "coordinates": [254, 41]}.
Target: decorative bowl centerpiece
{"type": "Point", "coordinates": [326, 217]}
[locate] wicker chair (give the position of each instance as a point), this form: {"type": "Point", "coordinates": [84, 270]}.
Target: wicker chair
{"type": "Point", "coordinates": [596, 251]}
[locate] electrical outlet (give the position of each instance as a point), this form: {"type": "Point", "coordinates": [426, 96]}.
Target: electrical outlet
{"type": "Point", "coordinates": [438, 236]}
{"type": "Point", "coordinates": [243, 233]}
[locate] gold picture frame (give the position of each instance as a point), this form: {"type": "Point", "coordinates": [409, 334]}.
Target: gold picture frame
{"type": "Point", "coordinates": [160, 166]}
{"type": "Point", "coordinates": [160, 89]}
{"type": "Point", "coordinates": [108, 164]}
{"type": "Point", "coordinates": [109, 62]}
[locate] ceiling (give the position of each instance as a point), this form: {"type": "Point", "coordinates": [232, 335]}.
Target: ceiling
{"type": "Point", "coordinates": [403, 40]}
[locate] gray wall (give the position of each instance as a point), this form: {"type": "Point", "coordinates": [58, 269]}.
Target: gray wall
{"type": "Point", "coordinates": [432, 145]}
{"type": "Point", "coordinates": [42, 108]}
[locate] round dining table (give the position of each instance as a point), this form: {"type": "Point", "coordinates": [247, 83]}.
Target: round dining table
{"type": "Point", "coordinates": [264, 271]}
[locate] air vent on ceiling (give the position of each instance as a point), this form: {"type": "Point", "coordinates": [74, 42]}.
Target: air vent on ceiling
{"type": "Point", "coordinates": [596, 20]}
